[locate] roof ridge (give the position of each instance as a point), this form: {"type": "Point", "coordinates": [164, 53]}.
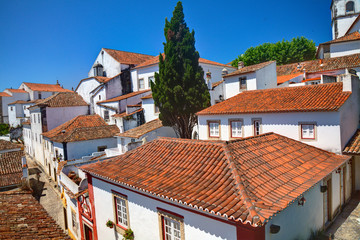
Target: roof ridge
{"type": "Point", "coordinates": [128, 51]}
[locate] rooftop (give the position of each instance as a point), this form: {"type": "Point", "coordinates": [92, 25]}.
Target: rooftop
{"type": "Point", "coordinates": [22, 217]}
{"type": "Point", "coordinates": [7, 145]}
{"type": "Point", "coordinates": [82, 128]}
{"type": "Point", "coordinates": [128, 58]}
{"type": "Point", "coordinates": [142, 129]}
{"type": "Point", "coordinates": [125, 114]}
{"type": "Point", "coordinates": [247, 180]}
{"type": "Point", "coordinates": [353, 146]}
{"type": "Point", "coordinates": [285, 78]}
{"type": "Point", "coordinates": [16, 90]}
{"type": "Point", "coordinates": [4, 94]}
{"type": "Point", "coordinates": [10, 168]}
{"type": "Point", "coordinates": [155, 60]}
{"type": "Point", "coordinates": [322, 97]}
{"type": "Point", "coordinates": [41, 87]}
{"type": "Point", "coordinates": [248, 69]}
{"type": "Point", "coordinates": [62, 99]}
{"type": "Point", "coordinates": [319, 65]}
{"type": "Point", "coordinates": [122, 97]}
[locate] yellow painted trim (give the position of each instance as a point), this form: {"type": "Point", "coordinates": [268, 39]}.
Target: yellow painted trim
{"type": "Point", "coordinates": [71, 235]}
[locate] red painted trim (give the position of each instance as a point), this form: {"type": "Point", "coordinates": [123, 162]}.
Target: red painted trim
{"type": "Point", "coordinates": [80, 220]}
{"type": "Point", "coordinates": [163, 226]}
{"type": "Point", "coordinates": [172, 213]}
{"type": "Point", "coordinates": [116, 214]}
{"type": "Point", "coordinates": [122, 227]}
{"type": "Point", "coordinates": [213, 121]}
{"type": "Point", "coordinates": [91, 199]}
{"type": "Point", "coordinates": [250, 234]}
{"type": "Point", "coordinates": [231, 222]}
{"type": "Point", "coordinates": [302, 131]}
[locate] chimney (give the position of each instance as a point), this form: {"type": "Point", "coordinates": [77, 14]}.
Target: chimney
{"type": "Point", "coordinates": [208, 80]}
{"type": "Point", "coordinates": [350, 81]}
{"type": "Point", "coordinates": [224, 72]}
{"type": "Point", "coordinates": [57, 82]}
{"type": "Point", "coordinates": [240, 64]}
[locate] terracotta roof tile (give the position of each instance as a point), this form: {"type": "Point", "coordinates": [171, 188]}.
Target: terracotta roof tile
{"type": "Point", "coordinates": [248, 69]}
{"type": "Point", "coordinates": [27, 122]}
{"type": "Point", "coordinates": [122, 97]}
{"type": "Point", "coordinates": [142, 129]}
{"type": "Point", "coordinates": [82, 128]}
{"type": "Point", "coordinates": [16, 90]}
{"type": "Point", "coordinates": [22, 217]}
{"type": "Point", "coordinates": [155, 60]}
{"type": "Point", "coordinates": [322, 97]}
{"type": "Point", "coordinates": [25, 102]}
{"type": "Point", "coordinates": [124, 114]}
{"type": "Point", "coordinates": [128, 57]}
{"type": "Point", "coordinates": [147, 96]}
{"type": "Point", "coordinates": [353, 146]}
{"type": "Point", "coordinates": [311, 79]}
{"type": "Point", "coordinates": [285, 78]}
{"type": "Point", "coordinates": [10, 168]}
{"type": "Point", "coordinates": [4, 94]}
{"type": "Point", "coordinates": [247, 180]}
{"type": "Point", "coordinates": [46, 87]}
{"type": "Point", "coordinates": [6, 145]}
{"type": "Point", "coordinates": [349, 37]}
{"type": "Point", "coordinates": [214, 85]}
{"type": "Point", "coordinates": [62, 99]}
{"type": "Point", "coordinates": [319, 65]}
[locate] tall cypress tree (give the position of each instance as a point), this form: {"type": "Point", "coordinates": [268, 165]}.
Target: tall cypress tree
{"type": "Point", "coordinates": [179, 89]}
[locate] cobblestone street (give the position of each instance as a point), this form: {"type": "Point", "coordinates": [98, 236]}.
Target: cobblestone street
{"type": "Point", "coordinates": [45, 192]}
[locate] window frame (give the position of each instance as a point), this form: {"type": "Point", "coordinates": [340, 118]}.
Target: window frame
{"type": "Point", "coordinates": [162, 214]}
{"type": "Point", "coordinates": [156, 109]}
{"type": "Point", "coordinates": [209, 129]}
{"type": "Point", "coordinates": [353, 7]}
{"type": "Point", "coordinates": [106, 115]}
{"type": "Point", "coordinates": [314, 130]}
{"type": "Point", "coordinates": [121, 228]}
{"type": "Point", "coordinates": [241, 86]}
{"type": "Point", "coordinates": [74, 225]}
{"type": "Point", "coordinates": [143, 83]}
{"type": "Point", "coordinates": [253, 120]}
{"type": "Point", "coordinates": [149, 80]}
{"type": "Point", "coordinates": [242, 127]}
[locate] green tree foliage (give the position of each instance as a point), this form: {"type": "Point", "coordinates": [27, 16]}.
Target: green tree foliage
{"type": "Point", "coordinates": [297, 50]}
{"type": "Point", "coordinates": [4, 129]}
{"type": "Point", "coordinates": [179, 89]}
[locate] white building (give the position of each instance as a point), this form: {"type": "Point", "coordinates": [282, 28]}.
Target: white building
{"type": "Point", "coordinates": [8, 96]}
{"type": "Point", "coordinates": [50, 113]}
{"type": "Point", "coordinates": [343, 15]}
{"type": "Point", "coordinates": [192, 189]}
{"type": "Point", "coordinates": [254, 77]}
{"type": "Point", "coordinates": [41, 90]}
{"type": "Point", "coordinates": [109, 76]}
{"type": "Point", "coordinates": [19, 112]}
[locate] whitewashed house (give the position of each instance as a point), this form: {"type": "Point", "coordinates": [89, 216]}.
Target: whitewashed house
{"type": "Point", "coordinates": [109, 76]}
{"type": "Point", "coordinates": [325, 116]}
{"type": "Point", "coordinates": [50, 113]}
{"type": "Point", "coordinates": [8, 96]}
{"type": "Point", "coordinates": [19, 112]}
{"type": "Point", "coordinates": [138, 136]}
{"type": "Point", "coordinates": [353, 149]}
{"type": "Point", "coordinates": [191, 189]}
{"type": "Point", "coordinates": [344, 14]}
{"type": "Point", "coordinates": [41, 90]}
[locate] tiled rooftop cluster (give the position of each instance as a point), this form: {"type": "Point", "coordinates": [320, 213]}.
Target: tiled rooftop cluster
{"type": "Point", "coordinates": [142, 129]}
{"type": "Point", "coordinates": [46, 87]}
{"type": "Point", "coordinates": [6, 145]}
{"type": "Point", "coordinates": [63, 99]}
{"type": "Point", "coordinates": [122, 97]}
{"type": "Point", "coordinates": [82, 128]}
{"type": "Point", "coordinates": [22, 217]}
{"type": "Point", "coordinates": [247, 180]}
{"type": "Point", "coordinates": [329, 97]}
{"type": "Point", "coordinates": [10, 168]}
{"type": "Point", "coordinates": [353, 146]}
{"type": "Point", "coordinates": [249, 69]}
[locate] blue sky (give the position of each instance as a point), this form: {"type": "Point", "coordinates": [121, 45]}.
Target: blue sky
{"type": "Point", "coordinates": [44, 41]}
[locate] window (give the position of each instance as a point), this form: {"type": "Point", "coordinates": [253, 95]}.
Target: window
{"type": "Point", "coordinates": [151, 79]}
{"type": "Point", "coordinates": [172, 225]}
{"type": "Point", "coordinates": [24, 107]}
{"type": "Point", "coordinates": [11, 108]}
{"type": "Point", "coordinates": [350, 6]}
{"type": "Point", "coordinates": [39, 95]}
{"type": "Point", "coordinates": [307, 131]}
{"type": "Point", "coordinates": [121, 211]}
{"type": "Point", "coordinates": [38, 118]}
{"type": "Point", "coordinates": [106, 115]}
{"type": "Point", "coordinates": [236, 128]}
{"type": "Point", "coordinates": [99, 97]}
{"type": "Point", "coordinates": [74, 222]}
{"type": "Point", "coordinates": [257, 126]}
{"type": "Point", "coordinates": [141, 83]}
{"type": "Point", "coordinates": [156, 109]}
{"type": "Point", "coordinates": [101, 148]}
{"type": "Point", "coordinates": [242, 82]}
{"type": "Point", "coordinates": [214, 130]}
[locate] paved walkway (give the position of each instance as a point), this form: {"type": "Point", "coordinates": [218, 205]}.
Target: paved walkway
{"type": "Point", "coordinates": [347, 225]}
{"type": "Point", "coordinates": [45, 192]}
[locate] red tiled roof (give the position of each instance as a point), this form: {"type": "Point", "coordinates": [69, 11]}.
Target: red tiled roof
{"type": "Point", "coordinates": [82, 128]}
{"type": "Point", "coordinates": [6, 145]}
{"type": "Point", "coordinates": [27, 122]}
{"type": "Point", "coordinates": [155, 60]}
{"type": "Point", "coordinates": [349, 37]}
{"type": "Point", "coordinates": [10, 168]}
{"type": "Point", "coordinates": [122, 97]}
{"type": "Point", "coordinates": [22, 217]}
{"type": "Point", "coordinates": [311, 79]}
{"type": "Point", "coordinates": [4, 94]}
{"type": "Point", "coordinates": [25, 102]}
{"type": "Point", "coordinates": [124, 114]}
{"type": "Point", "coordinates": [142, 129]}
{"type": "Point", "coordinates": [319, 65]}
{"type": "Point", "coordinates": [62, 99]}
{"type": "Point", "coordinates": [353, 146]}
{"type": "Point", "coordinates": [247, 180]}
{"type": "Point", "coordinates": [285, 78]}
{"type": "Point", "coordinates": [214, 85]}
{"type": "Point", "coordinates": [41, 87]}
{"type": "Point", "coordinates": [16, 90]}
{"type": "Point", "coordinates": [322, 97]}
{"type": "Point", "coordinates": [248, 69]}
{"type": "Point", "coordinates": [147, 96]}
{"type": "Point", "coordinates": [128, 57]}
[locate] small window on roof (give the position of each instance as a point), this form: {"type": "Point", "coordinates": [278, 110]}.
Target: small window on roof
{"type": "Point", "coordinates": [39, 95]}
{"type": "Point", "coordinates": [350, 6]}
{"type": "Point", "coordinates": [242, 82]}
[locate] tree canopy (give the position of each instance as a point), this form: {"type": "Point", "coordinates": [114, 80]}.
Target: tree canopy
{"type": "Point", "coordinates": [297, 50]}
{"type": "Point", "coordinates": [179, 89]}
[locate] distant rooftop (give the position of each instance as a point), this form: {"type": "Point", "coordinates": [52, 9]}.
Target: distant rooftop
{"type": "Point", "coordinates": [42, 87]}
{"type": "Point", "coordinates": [129, 58]}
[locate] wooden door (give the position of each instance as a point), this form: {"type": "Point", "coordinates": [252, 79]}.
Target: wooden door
{"type": "Point", "coordinates": [88, 232]}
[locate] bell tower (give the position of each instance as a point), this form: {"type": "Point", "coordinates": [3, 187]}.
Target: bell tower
{"type": "Point", "coordinates": [343, 14]}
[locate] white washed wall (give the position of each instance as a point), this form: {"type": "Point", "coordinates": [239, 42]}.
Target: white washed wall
{"type": "Point", "coordinates": [76, 150]}
{"type": "Point", "coordinates": [113, 88]}
{"type": "Point", "coordinates": [149, 110]}
{"type": "Point", "coordinates": [86, 87]}
{"type": "Point", "coordinates": [266, 77]}
{"type": "Point", "coordinates": [59, 115]}
{"type": "Point", "coordinates": [344, 48]}
{"type": "Point", "coordinates": [111, 66]}
{"type": "Point", "coordinates": [232, 85]}
{"type": "Point", "coordinates": [144, 218]}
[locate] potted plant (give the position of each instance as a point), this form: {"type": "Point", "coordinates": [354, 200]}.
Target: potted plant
{"type": "Point", "coordinates": [110, 224]}
{"type": "Point", "coordinates": [128, 235]}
